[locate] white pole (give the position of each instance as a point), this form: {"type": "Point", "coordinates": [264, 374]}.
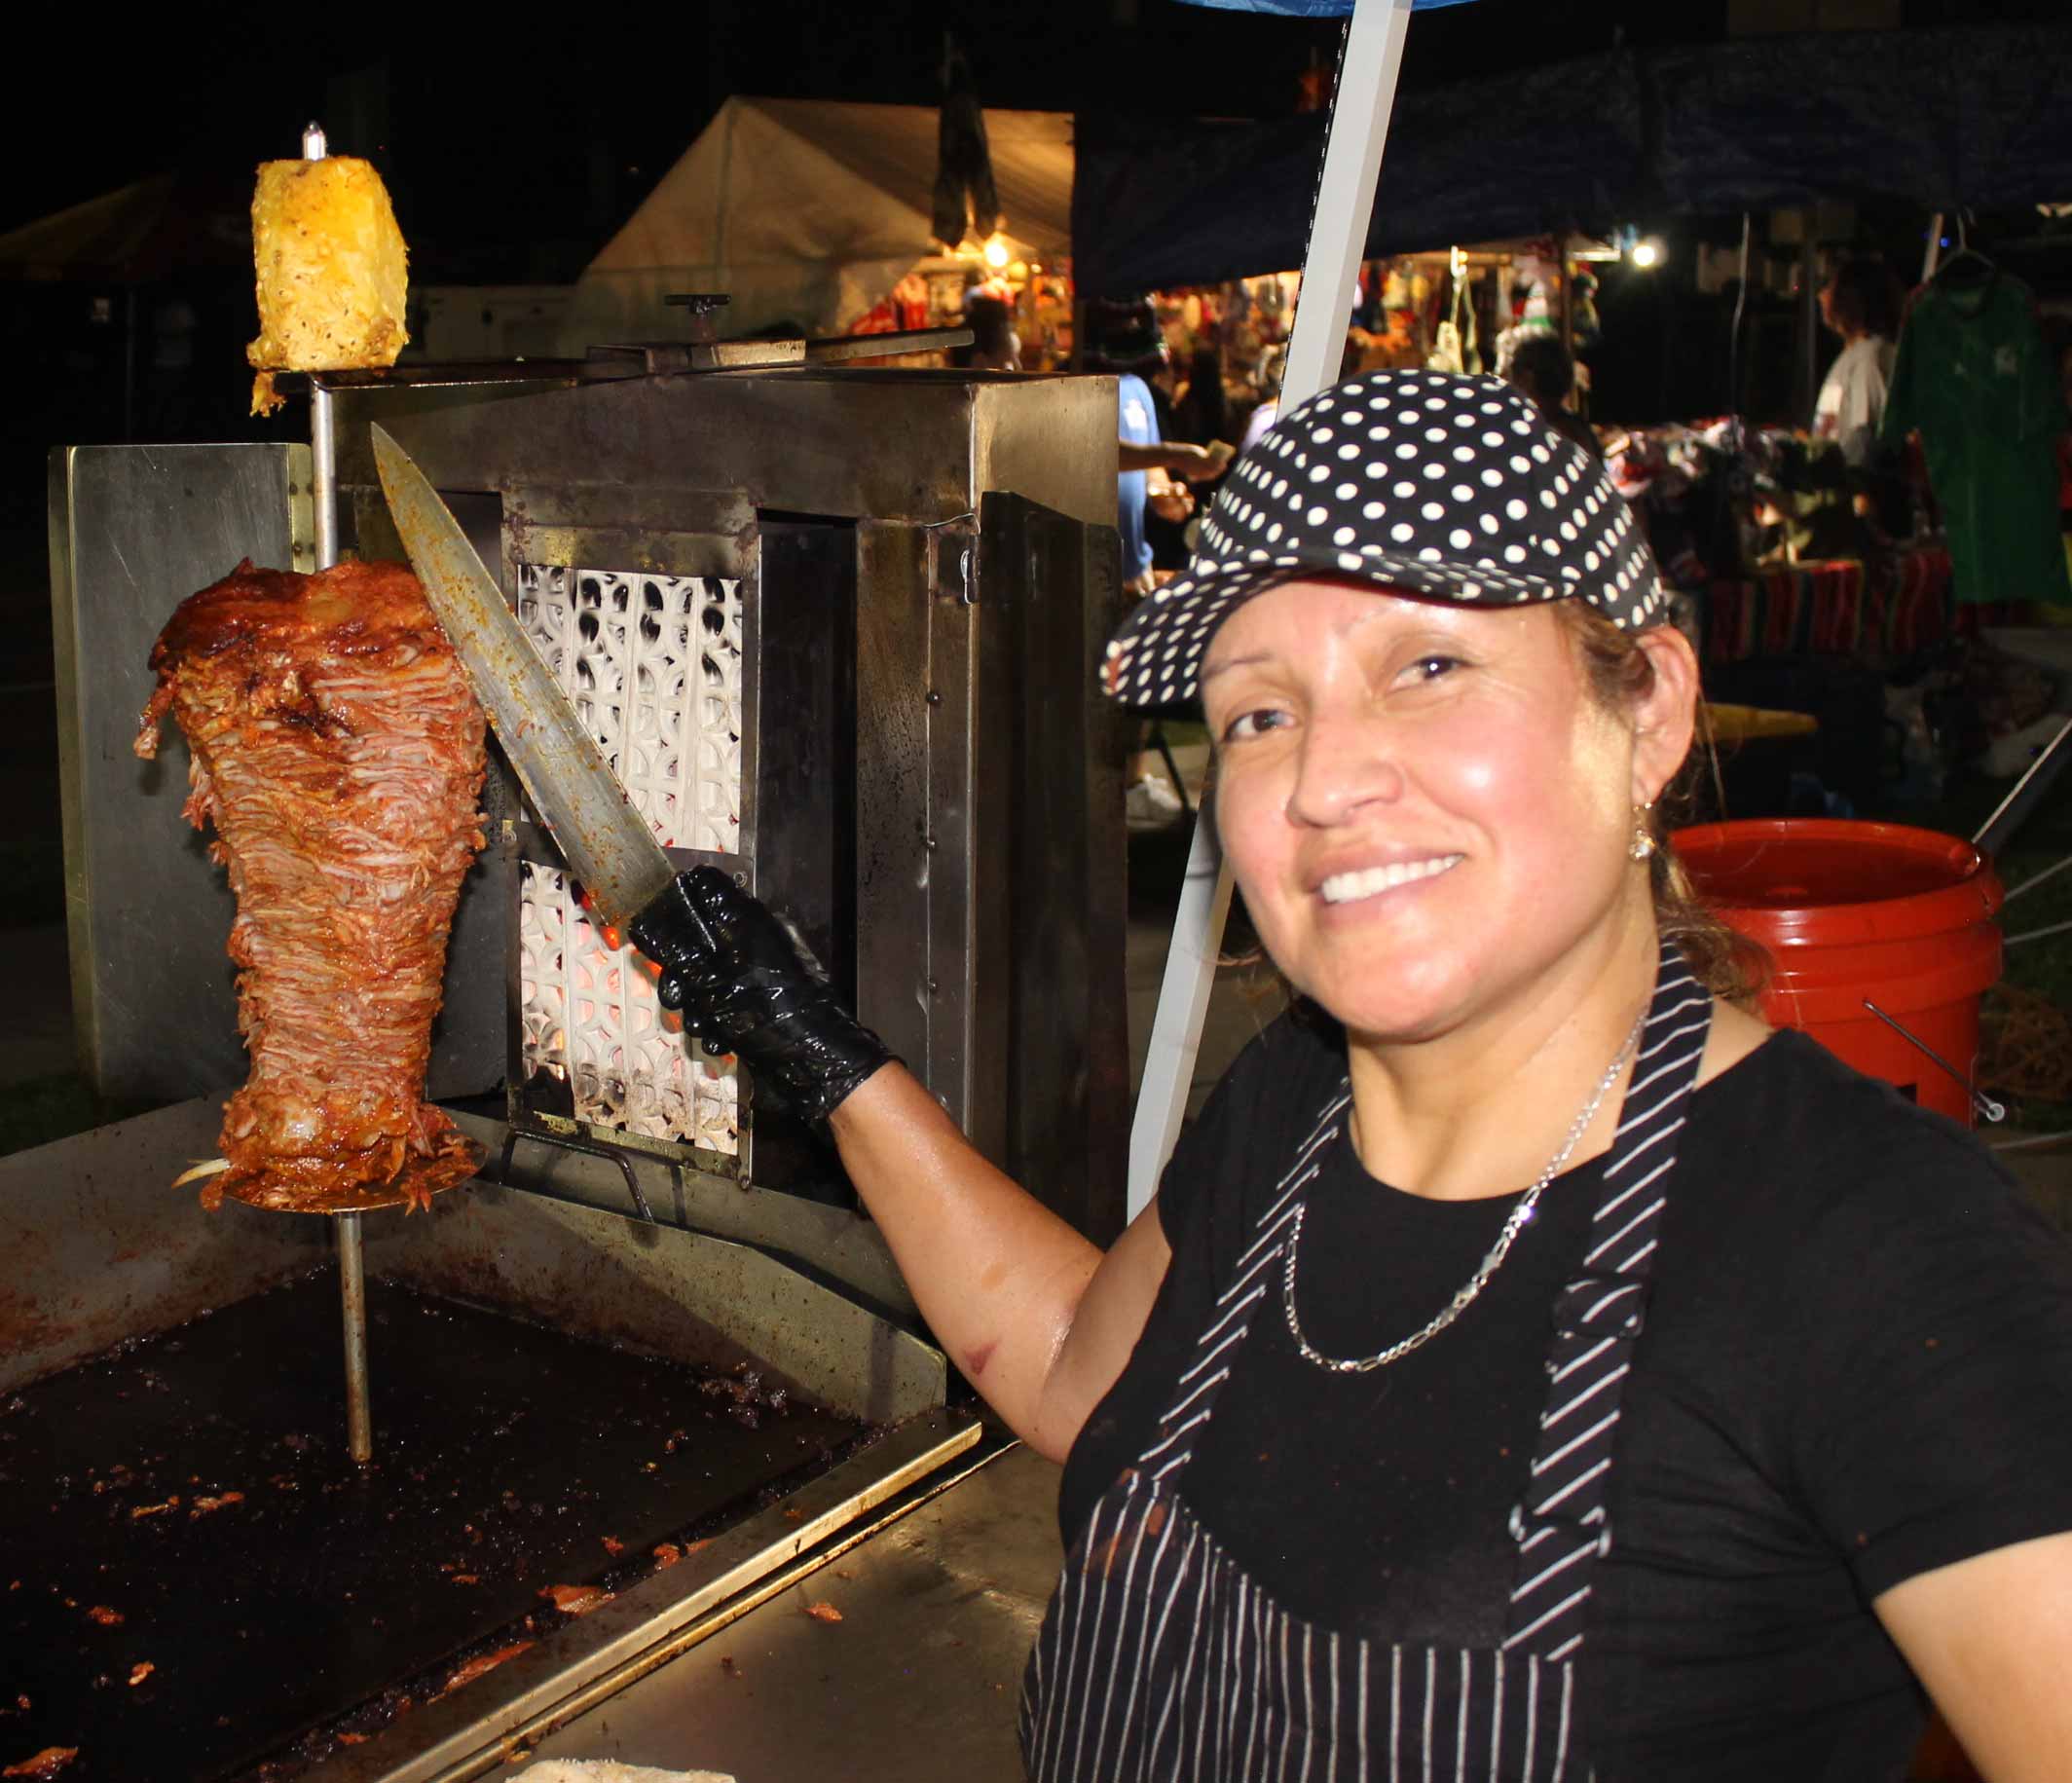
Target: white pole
{"type": "Point", "coordinates": [1338, 242]}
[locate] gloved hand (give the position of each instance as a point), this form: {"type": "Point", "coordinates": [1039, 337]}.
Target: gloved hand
{"type": "Point", "coordinates": [746, 985]}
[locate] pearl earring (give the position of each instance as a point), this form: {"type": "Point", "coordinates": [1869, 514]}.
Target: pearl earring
{"type": "Point", "coordinates": [1643, 843]}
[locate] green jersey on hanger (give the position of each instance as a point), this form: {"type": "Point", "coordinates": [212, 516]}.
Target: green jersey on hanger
{"type": "Point", "coordinates": [1973, 379]}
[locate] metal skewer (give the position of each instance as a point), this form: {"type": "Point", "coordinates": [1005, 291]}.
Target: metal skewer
{"type": "Point", "coordinates": [352, 1264]}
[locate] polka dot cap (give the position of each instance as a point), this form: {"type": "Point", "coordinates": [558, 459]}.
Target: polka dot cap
{"type": "Point", "coordinates": [1425, 481]}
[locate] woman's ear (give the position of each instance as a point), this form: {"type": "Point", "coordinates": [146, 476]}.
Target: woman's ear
{"type": "Point", "coordinates": [1665, 718]}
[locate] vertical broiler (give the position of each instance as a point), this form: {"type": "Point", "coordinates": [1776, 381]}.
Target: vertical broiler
{"type": "Point", "coordinates": [834, 630]}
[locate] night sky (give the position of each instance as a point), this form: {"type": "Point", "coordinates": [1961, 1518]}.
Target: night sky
{"type": "Point", "coordinates": [517, 139]}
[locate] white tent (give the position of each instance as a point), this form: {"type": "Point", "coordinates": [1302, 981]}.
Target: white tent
{"type": "Point", "coordinates": [809, 212]}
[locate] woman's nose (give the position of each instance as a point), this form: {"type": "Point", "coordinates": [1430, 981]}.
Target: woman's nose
{"type": "Point", "coordinates": [1343, 765]}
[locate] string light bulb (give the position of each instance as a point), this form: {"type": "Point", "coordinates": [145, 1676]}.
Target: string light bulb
{"type": "Point", "coordinates": [996, 251]}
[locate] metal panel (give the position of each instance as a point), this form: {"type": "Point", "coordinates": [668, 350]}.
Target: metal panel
{"type": "Point", "coordinates": [845, 443]}
{"type": "Point", "coordinates": [478, 1731]}
{"type": "Point", "coordinates": [681, 1294]}
{"type": "Point", "coordinates": [1052, 587]}
{"type": "Point", "coordinates": [101, 1250]}
{"type": "Point", "coordinates": [104, 1251]}
{"type": "Point", "coordinates": [803, 796]}
{"type": "Point", "coordinates": [892, 759]}
{"type": "Point", "coordinates": [134, 529]}
{"type": "Point", "coordinates": [952, 1597]}
{"type": "Point", "coordinates": [1056, 450]}
{"type": "Point", "coordinates": [827, 1241]}
{"type": "Point", "coordinates": [954, 705]}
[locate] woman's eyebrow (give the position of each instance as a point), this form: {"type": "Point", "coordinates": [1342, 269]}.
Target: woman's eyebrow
{"type": "Point", "coordinates": [1210, 673]}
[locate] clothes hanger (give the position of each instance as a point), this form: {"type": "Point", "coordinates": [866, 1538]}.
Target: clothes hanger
{"type": "Point", "coordinates": [1976, 266]}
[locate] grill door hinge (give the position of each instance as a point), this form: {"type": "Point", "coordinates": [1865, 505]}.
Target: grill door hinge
{"type": "Point", "coordinates": [953, 560]}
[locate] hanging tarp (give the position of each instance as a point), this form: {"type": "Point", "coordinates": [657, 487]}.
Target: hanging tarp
{"type": "Point", "coordinates": [1939, 119]}
{"type": "Point", "coordinates": [171, 224]}
{"type": "Point", "coordinates": [809, 212]}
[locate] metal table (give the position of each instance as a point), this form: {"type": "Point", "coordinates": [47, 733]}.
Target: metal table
{"type": "Point", "coordinates": [918, 1681]}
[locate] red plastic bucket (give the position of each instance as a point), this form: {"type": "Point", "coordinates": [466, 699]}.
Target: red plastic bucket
{"type": "Point", "coordinates": [1856, 914]}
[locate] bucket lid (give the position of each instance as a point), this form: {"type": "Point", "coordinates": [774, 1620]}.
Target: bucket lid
{"type": "Point", "coordinates": [1833, 882]}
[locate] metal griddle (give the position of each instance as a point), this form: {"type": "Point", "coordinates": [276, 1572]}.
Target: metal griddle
{"type": "Point", "coordinates": [329, 1598]}
{"type": "Point", "coordinates": [559, 1373]}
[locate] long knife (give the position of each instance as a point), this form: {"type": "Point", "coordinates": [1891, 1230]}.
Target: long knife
{"type": "Point", "coordinates": [607, 844]}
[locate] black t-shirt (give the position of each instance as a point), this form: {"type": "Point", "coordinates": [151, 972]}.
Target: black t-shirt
{"type": "Point", "coordinates": [1857, 1366]}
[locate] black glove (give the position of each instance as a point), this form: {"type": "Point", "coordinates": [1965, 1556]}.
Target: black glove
{"type": "Point", "coordinates": [747, 984]}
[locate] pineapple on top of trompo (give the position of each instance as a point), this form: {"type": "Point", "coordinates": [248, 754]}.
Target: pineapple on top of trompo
{"type": "Point", "coordinates": [332, 271]}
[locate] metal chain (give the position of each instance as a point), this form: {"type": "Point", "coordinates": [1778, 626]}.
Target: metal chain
{"type": "Point", "coordinates": [1465, 1297]}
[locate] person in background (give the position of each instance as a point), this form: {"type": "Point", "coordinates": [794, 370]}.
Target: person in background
{"type": "Point", "coordinates": [1543, 368]}
{"type": "Point", "coordinates": [1200, 409]}
{"type": "Point", "coordinates": [1859, 302]}
{"type": "Point", "coordinates": [1153, 475]}
{"type": "Point", "coordinates": [1152, 471]}
{"type": "Point", "coordinates": [1273, 364]}
{"type": "Point", "coordinates": [994, 344]}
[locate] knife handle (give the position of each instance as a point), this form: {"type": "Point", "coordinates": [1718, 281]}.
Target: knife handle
{"type": "Point", "coordinates": [672, 931]}
{"type": "Point", "coordinates": [747, 984]}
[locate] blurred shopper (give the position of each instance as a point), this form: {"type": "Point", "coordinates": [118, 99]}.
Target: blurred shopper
{"type": "Point", "coordinates": [1861, 303]}
{"type": "Point", "coordinates": [1125, 340]}
{"type": "Point", "coordinates": [1201, 408]}
{"type": "Point", "coordinates": [994, 344]}
{"type": "Point", "coordinates": [1543, 368]}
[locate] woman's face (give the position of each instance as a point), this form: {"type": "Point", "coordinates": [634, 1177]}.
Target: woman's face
{"type": "Point", "coordinates": [1426, 808]}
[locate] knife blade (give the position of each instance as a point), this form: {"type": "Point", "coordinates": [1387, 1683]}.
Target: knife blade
{"type": "Point", "coordinates": [605, 843]}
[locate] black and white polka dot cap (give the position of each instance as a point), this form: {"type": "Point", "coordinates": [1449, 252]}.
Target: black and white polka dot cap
{"type": "Point", "coordinates": [1424, 481]}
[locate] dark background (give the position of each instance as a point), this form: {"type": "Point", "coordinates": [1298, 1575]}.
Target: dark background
{"type": "Point", "coordinates": [515, 142]}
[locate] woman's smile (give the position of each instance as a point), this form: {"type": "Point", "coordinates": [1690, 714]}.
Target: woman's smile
{"type": "Point", "coordinates": [1361, 883]}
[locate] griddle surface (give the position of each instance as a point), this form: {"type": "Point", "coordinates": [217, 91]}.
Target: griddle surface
{"type": "Point", "coordinates": [504, 1457]}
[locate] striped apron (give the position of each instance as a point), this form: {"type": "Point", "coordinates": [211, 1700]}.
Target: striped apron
{"type": "Point", "coordinates": [1158, 1658]}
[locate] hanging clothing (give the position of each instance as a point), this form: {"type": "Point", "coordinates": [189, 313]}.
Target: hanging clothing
{"type": "Point", "coordinates": [965, 194]}
{"type": "Point", "coordinates": [1161, 1654]}
{"type": "Point", "coordinates": [1852, 397]}
{"type": "Point", "coordinates": [1973, 379]}
{"type": "Point", "coordinates": [1836, 1272]}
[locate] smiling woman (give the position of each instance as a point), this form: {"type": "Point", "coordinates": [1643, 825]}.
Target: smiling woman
{"type": "Point", "coordinates": [1531, 1367]}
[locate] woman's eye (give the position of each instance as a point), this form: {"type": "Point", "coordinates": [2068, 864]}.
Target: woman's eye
{"type": "Point", "coordinates": [1432, 668]}
{"type": "Point", "coordinates": [1252, 723]}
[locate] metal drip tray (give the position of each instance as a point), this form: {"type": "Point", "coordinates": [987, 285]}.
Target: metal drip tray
{"type": "Point", "coordinates": [182, 1512]}
{"type": "Point", "coordinates": [592, 1435]}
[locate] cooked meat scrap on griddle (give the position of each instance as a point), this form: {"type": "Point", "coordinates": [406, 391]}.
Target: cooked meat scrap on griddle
{"type": "Point", "coordinates": [338, 750]}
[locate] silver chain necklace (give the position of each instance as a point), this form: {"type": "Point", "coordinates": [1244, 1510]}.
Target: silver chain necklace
{"type": "Point", "coordinates": [1465, 1297]}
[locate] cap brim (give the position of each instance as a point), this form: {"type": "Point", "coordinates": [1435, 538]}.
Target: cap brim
{"type": "Point", "coordinates": [1155, 657]}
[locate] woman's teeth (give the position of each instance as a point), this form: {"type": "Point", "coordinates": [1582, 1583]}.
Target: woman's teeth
{"type": "Point", "coordinates": [1348, 887]}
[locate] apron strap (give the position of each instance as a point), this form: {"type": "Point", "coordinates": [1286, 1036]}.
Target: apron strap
{"type": "Point", "coordinates": [1561, 1528]}
{"type": "Point", "coordinates": [1195, 1397]}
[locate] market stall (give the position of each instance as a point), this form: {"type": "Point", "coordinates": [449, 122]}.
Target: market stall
{"type": "Point", "coordinates": [813, 214]}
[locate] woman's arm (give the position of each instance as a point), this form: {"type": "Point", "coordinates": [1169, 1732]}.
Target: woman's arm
{"type": "Point", "coordinates": [1039, 1320]}
{"type": "Point", "coordinates": [1990, 1639]}
{"type": "Point", "coordinates": [1034, 1314]}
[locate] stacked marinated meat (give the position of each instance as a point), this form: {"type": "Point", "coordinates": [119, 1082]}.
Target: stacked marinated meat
{"type": "Point", "coordinates": [337, 749]}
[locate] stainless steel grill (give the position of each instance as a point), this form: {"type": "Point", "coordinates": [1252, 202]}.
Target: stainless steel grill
{"type": "Point", "coordinates": [838, 633]}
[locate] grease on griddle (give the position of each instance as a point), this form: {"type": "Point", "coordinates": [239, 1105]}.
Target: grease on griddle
{"type": "Point", "coordinates": [284, 1580]}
